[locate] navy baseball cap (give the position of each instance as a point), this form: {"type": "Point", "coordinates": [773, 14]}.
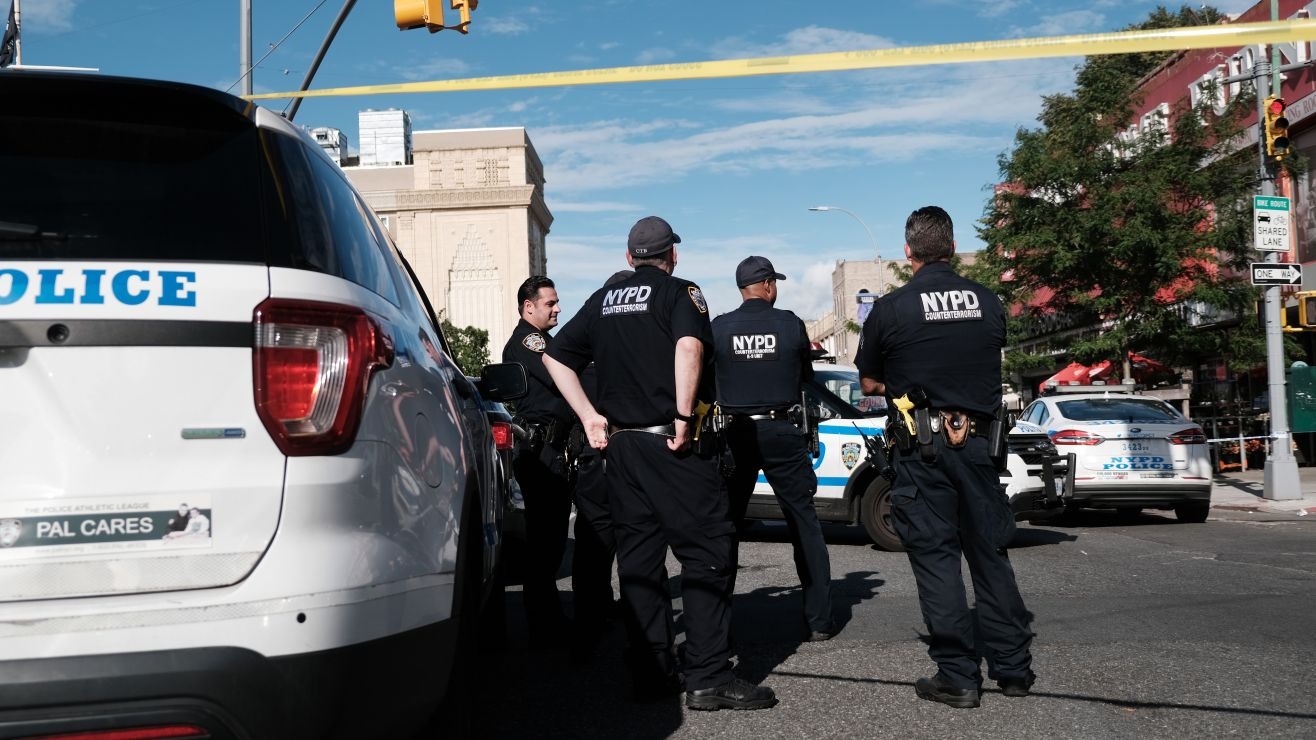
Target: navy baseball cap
{"type": "Point", "coordinates": [651, 236]}
{"type": "Point", "coordinates": [755, 270]}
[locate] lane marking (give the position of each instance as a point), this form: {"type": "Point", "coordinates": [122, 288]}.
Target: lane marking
{"type": "Point", "coordinates": [1235, 35]}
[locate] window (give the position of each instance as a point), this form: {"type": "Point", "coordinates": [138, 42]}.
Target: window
{"type": "Point", "coordinates": [1129, 410]}
{"type": "Point", "coordinates": [336, 234]}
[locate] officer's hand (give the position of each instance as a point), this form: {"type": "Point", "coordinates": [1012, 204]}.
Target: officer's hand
{"type": "Point", "coordinates": [682, 439]}
{"type": "Point", "coordinates": [596, 429]}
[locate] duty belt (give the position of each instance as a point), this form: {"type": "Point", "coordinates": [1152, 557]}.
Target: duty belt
{"type": "Point", "coordinates": [667, 430]}
{"type": "Point", "coordinates": [781, 413]}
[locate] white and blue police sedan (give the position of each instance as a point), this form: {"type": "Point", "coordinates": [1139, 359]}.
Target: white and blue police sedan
{"type": "Point", "coordinates": [1134, 452]}
{"type": "Point", "coordinates": [850, 490]}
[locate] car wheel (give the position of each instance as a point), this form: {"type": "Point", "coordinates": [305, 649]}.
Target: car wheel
{"type": "Point", "coordinates": [1195, 513]}
{"type": "Point", "coordinates": [454, 717]}
{"type": "Point", "coordinates": [875, 515]}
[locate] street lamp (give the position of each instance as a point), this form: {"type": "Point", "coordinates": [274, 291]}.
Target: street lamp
{"type": "Point", "coordinates": [876, 252]}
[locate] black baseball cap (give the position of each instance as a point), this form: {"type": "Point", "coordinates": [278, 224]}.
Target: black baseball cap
{"type": "Point", "coordinates": [651, 236]}
{"type": "Point", "coordinates": [755, 270]}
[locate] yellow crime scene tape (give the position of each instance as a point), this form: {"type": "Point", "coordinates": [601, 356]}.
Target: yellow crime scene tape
{"type": "Point", "coordinates": [1123, 42]}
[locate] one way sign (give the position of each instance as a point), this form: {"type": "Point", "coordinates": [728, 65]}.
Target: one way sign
{"type": "Point", "coordinates": [1276, 273]}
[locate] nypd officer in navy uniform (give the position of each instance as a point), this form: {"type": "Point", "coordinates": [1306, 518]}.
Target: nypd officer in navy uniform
{"type": "Point", "coordinates": [944, 333]}
{"type": "Point", "coordinates": [761, 355]}
{"type": "Point", "coordinates": [650, 340]}
{"type": "Point", "coordinates": [539, 463]}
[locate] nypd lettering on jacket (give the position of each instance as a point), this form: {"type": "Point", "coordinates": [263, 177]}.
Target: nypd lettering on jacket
{"type": "Point", "coordinates": [950, 305]}
{"type": "Point", "coordinates": [94, 286]}
{"type": "Point", "coordinates": [634, 299]}
{"type": "Point", "coordinates": [754, 346]}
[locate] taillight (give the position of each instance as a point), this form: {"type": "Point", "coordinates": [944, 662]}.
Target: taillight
{"type": "Point", "coordinates": [1076, 437]}
{"type": "Point", "coordinates": [1189, 436]}
{"type": "Point", "coordinates": [502, 435]}
{"type": "Point", "coordinates": [131, 733]}
{"type": "Point", "coordinates": [311, 366]}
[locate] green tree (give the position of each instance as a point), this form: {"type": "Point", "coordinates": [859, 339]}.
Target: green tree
{"type": "Point", "coordinates": [470, 345]}
{"type": "Point", "coordinates": [1136, 242]}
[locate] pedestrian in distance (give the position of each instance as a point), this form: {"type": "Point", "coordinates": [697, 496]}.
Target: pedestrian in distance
{"type": "Point", "coordinates": [933, 348]}
{"type": "Point", "coordinates": [650, 340]}
{"type": "Point", "coordinates": [762, 355]}
{"type": "Point", "coordinates": [539, 462]}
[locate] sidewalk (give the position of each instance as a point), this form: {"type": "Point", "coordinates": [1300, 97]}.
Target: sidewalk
{"type": "Point", "coordinates": [1242, 491]}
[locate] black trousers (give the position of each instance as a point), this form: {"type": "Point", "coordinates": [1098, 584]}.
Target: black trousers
{"type": "Point", "coordinates": [781, 451]}
{"type": "Point", "coordinates": [547, 493]}
{"type": "Point", "coordinates": [952, 506]}
{"type": "Point", "coordinates": [596, 546]}
{"type": "Point", "coordinates": [661, 499]}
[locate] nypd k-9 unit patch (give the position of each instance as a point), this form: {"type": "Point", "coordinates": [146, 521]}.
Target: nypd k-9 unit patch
{"type": "Point", "coordinates": [534, 341]}
{"type": "Point", "coordinates": [697, 296]}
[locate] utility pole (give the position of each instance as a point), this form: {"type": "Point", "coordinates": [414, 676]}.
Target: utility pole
{"type": "Point", "coordinates": [244, 45]}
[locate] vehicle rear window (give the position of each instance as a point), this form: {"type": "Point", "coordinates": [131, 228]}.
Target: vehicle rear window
{"type": "Point", "coordinates": [78, 184]}
{"type": "Point", "coordinates": [1131, 410]}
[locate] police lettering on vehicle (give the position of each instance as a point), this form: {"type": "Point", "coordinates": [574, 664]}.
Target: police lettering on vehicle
{"type": "Point", "coordinates": [950, 305]}
{"type": "Point", "coordinates": [619, 301]}
{"type": "Point", "coordinates": [129, 287]}
{"type": "Point", "coordinates": [754, 346]}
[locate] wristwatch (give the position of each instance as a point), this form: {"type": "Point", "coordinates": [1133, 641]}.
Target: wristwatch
{"type": "Point", "coordinates": [689, 419]}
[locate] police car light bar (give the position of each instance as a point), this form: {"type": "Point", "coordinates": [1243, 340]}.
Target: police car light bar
{"type": "Point", "coordinates": [1098, 386]}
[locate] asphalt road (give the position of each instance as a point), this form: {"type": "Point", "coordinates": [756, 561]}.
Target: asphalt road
{"type": "Point", "coordinates": [1149, 629]}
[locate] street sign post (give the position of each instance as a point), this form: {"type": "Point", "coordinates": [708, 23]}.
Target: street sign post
{"type": "Point", "coordinates": [1276, 273]}
{"type": "Point", "coordinates": [1270, 224]}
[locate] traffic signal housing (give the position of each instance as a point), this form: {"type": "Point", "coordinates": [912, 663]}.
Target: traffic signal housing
{"type": "Point", "coordinates": [465, 7]}
{"type": "Point", "coordinates": [1306, 309]}
{"type": "Point", "coordinates": [1277, 128]}
{"type": "Point", "coordinates": [426, 14]}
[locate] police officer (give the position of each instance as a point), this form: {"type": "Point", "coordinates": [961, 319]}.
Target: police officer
{"type": "Point", "coordinates": [761, 355]}
{"type": "Point", "coordinates": [596, 545]}
{"type": "Point", "coordinates": [539, 463]}
{"type": "Point", "coordinates": [649, 337]}
{"type": "Point", "coordinates": [943, 333]}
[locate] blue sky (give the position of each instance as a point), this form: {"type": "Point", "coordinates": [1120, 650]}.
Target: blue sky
{"type": "Point", "coordinates": [732, 164]}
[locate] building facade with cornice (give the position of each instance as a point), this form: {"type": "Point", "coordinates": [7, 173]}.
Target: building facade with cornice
{"type": "Point", "coordinates": [469, 215]}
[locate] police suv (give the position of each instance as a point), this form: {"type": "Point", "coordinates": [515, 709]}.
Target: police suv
{"type": "Point", "coordinates": [245, 492]}
{"type": "Point", "coordinates": [1037, 480]}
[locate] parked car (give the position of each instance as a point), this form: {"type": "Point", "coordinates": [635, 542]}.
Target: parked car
{"type": "Point", "coordinates": [850, 489]}
{"type": "Point", "coordinates": [1134, 452]}
{"type": "Point", "coordinates": [505, 433]}
{"type": "Point", "coordinates": [244, 490]}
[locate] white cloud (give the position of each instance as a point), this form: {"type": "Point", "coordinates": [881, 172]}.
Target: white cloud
{"type": "Point", "coordinates": [655, 55]}
{"type": "Point", "coordinates": [502, 25]}
{"type": "Point", "coordinates": [807, 40]}
{"type": "Point", "coordinates": [46, 15]}
{"type": "Point", "coordinates": [433, 69]}
{"type": "Point", "coordinates": [997, 8]}
{"type": "Point", "coordinates": [1065, 24]}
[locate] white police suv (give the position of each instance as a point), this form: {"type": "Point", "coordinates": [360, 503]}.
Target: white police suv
{"type": "Point", "coordinates": [1036, 480]}
{"type": "Point", "coordinates": [244, 490]}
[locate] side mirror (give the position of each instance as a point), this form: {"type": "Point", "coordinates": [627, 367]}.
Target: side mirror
{"type": "Point", "coordinates": [503, 381]}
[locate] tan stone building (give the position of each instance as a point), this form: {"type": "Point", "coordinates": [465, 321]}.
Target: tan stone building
{"type": "Point", "coordinates": [469, 214]}
{"type": "Point", "coordinates": [852, 281]}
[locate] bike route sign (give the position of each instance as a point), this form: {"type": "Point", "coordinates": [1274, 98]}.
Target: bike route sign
{"type": "Point", "coordinates": [1270, 223]}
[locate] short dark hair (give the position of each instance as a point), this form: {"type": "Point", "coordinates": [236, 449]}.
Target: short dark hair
{"type": "Point", "coordinates": [529, 290]}
{"type": "Point", "coordinates": [930, 234]}
{"type": "Point", "coordinates": [658, 260]}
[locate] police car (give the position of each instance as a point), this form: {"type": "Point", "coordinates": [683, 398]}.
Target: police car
{"type": "Point", "coordinates": [1037, 480]}
{"type": "Point", "coordinates": [245, 492]}
{"type": "Point", "coordinates": [1133, 451]}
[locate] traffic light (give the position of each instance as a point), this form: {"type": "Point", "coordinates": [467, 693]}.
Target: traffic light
{"type": "Point", "coordinates": [1307, 309]}
{"type": "Point", "coordinates": [411, 14]}
{"type": "Point", "coordinates": [465, 7]}
{"type": "Point", "coordinates": [1277, 128]}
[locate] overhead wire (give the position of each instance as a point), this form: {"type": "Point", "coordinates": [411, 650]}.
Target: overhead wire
{"type": "Point", "coordinates": [275, 45]}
